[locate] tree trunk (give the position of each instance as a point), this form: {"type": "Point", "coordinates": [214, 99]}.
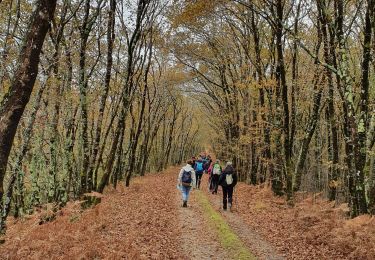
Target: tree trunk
{"type": "Point", "coordinates": [103, 99]}
{"type": "Point", "coordinates": [330, 58]}
{"type": "Point", "coordinates": [356, 175]}
{"type": "Point", "coordinates": [24, 78]}
{"type": "Point", "coordinates": [318, 89]}
{"type": "Point", "coordinates": [15, 174]}
{"type": "Point", "coordinates": [308, 135]}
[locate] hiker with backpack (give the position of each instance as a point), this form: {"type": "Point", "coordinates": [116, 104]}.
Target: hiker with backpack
{"type": "Point", "coordinates": [186, 181]}
{"type": "Point", "coordinates": [209, 172]}
{"type": "Point", "coordinates": [204, 160]}
{"type": "Point", "coordinates": [193, 159]}
{"type": "Point", "coordinates": [207, 163]}
{"type": "Point", "coordinates": [227, 180]}
{"type": "Point", "coordinates": [199, 169]}
{"type": "Point", "coordinates": [215, 175]}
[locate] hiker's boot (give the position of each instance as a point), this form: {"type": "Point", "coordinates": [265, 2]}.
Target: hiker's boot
{"type": "Point", "coordinates": [224, 205]}
{"type": "Point", "coordinates": [230, 206]}
{"type": "Point", "coordinates": [184, 204]}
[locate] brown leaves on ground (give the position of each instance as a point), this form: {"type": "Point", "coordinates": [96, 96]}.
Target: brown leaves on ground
{"type": "Point", "coordinates": [138, 222]}
{"type": "Point", "coordinates": [313, 229]}
{"type": "Point", "coordinates": [144, 222]}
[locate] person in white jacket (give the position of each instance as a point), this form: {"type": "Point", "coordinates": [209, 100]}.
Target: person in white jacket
{"type": "Point", "coordinates": [186, 181]}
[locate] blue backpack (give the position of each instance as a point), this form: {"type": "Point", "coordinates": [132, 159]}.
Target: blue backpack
{"type": "Point", "coordinates": [199, 167]}
{"type": "Point", "coordinates": [186, 178]}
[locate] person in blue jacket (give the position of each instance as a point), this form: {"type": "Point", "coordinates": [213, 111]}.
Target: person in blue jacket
{"type": "Point", "coordinates": [199, 170]}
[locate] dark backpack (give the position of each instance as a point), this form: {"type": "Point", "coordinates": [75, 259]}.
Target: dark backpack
{"type": "Point", "coordinates": [186, 178]}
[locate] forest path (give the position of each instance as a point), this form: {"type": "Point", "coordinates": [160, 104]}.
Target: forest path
{"type": "Point", "coordinates": [205, 234]}
{"type": "Point", "coordinates": [252, 239]}
{"type": "Point", "coordinates": [243, 236]}
{"type": "Point", "coordinates": [144, 221]}
{"type": "Point", "coordinates": [198, 239]}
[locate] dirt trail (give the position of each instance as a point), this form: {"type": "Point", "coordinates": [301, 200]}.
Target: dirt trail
{"type": "Point", "coordinates": [253, 240]}
{"type": "Point", "coordinates": [144, 221]}
{"type": "Point", "coordinates": [198, 240]}
{"type": "Point", "coordinates": [257, 244]}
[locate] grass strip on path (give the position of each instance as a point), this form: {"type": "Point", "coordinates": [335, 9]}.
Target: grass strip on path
{"type": "Point", "coordinates": [228, 239]}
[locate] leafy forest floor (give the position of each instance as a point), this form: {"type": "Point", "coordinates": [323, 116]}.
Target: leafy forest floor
{"type": "Point", "coordinates": [146, 221]}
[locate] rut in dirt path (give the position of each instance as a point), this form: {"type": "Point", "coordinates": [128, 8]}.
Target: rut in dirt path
{"type": "Point", "coordinates": [258, 245]}
{"type": "Point", "coordinates": [198, 241]}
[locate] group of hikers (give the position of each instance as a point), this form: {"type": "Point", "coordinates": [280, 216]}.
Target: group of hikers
{"type": "Point", "coordinates": [190, 177]}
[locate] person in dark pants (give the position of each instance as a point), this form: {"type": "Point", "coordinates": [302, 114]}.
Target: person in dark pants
{"type": "Point", "coordinates": [207, 163]}
{"type": "Point", "coordinates": [228, 180]}
{"type": "Point", "coordinates": [215, 174]}
{"type": "Point", "coordinates": [193, 160]}
{"type": "Point", "coordinates": [199, 169]}
{"type": "Point", "coordinates": [209, 172]}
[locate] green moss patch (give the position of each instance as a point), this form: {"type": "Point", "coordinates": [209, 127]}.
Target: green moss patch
{"type": "Point", "coordinates": [228, 239]}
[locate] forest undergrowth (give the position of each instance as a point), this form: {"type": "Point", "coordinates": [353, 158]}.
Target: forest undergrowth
{"type": "Point", "coordinates": [137, 222]}
{"type": "Point", "coordinates": [313, 229]}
